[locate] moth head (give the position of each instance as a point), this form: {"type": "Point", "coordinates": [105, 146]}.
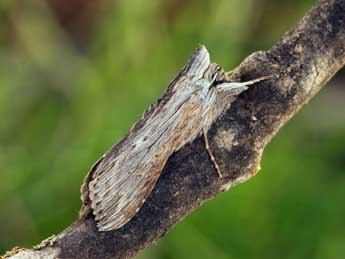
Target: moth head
{"type": "Point", "coordinates": [214, 74]}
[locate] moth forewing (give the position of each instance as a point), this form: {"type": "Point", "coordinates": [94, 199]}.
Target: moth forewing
{"type": "Point", "coordinates": [120, 183]}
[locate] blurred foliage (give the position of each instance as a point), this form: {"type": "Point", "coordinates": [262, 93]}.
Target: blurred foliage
{"type": "Point", "coordinates": [67, 96]}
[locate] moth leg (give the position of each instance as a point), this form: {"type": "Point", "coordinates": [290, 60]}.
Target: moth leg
{"type": "Point", "coordinates": [207, 146]}
{"type": "Point", "coordinates": [240, 85]}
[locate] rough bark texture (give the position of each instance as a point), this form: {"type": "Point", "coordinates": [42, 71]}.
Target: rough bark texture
{"type": "Point", "coordinates": [302, 62]}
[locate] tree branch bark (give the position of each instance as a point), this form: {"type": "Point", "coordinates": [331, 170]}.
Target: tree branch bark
{"type": "Point", "coordinates": [301, 62]}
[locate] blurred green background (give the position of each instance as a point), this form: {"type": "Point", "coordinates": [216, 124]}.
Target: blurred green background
{"type": "Point", "coordinates": [75, 75]}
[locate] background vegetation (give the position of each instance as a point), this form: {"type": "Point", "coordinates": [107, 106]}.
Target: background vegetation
{"type": "Point", "coordinates": [75, 75]}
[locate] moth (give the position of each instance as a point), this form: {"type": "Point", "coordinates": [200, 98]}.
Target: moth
{"type": "Point", "coordinates": [120, 182]}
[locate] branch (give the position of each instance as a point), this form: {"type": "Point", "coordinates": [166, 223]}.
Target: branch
{"type": "Point", "coordinates": [301, 62]}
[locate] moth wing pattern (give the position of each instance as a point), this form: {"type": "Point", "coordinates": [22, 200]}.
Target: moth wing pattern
{"type": "Point", "coordinates": [121, 181]}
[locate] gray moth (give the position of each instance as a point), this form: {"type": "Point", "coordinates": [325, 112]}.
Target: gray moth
{"type": "Point", "coordinates": [120, 182]}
